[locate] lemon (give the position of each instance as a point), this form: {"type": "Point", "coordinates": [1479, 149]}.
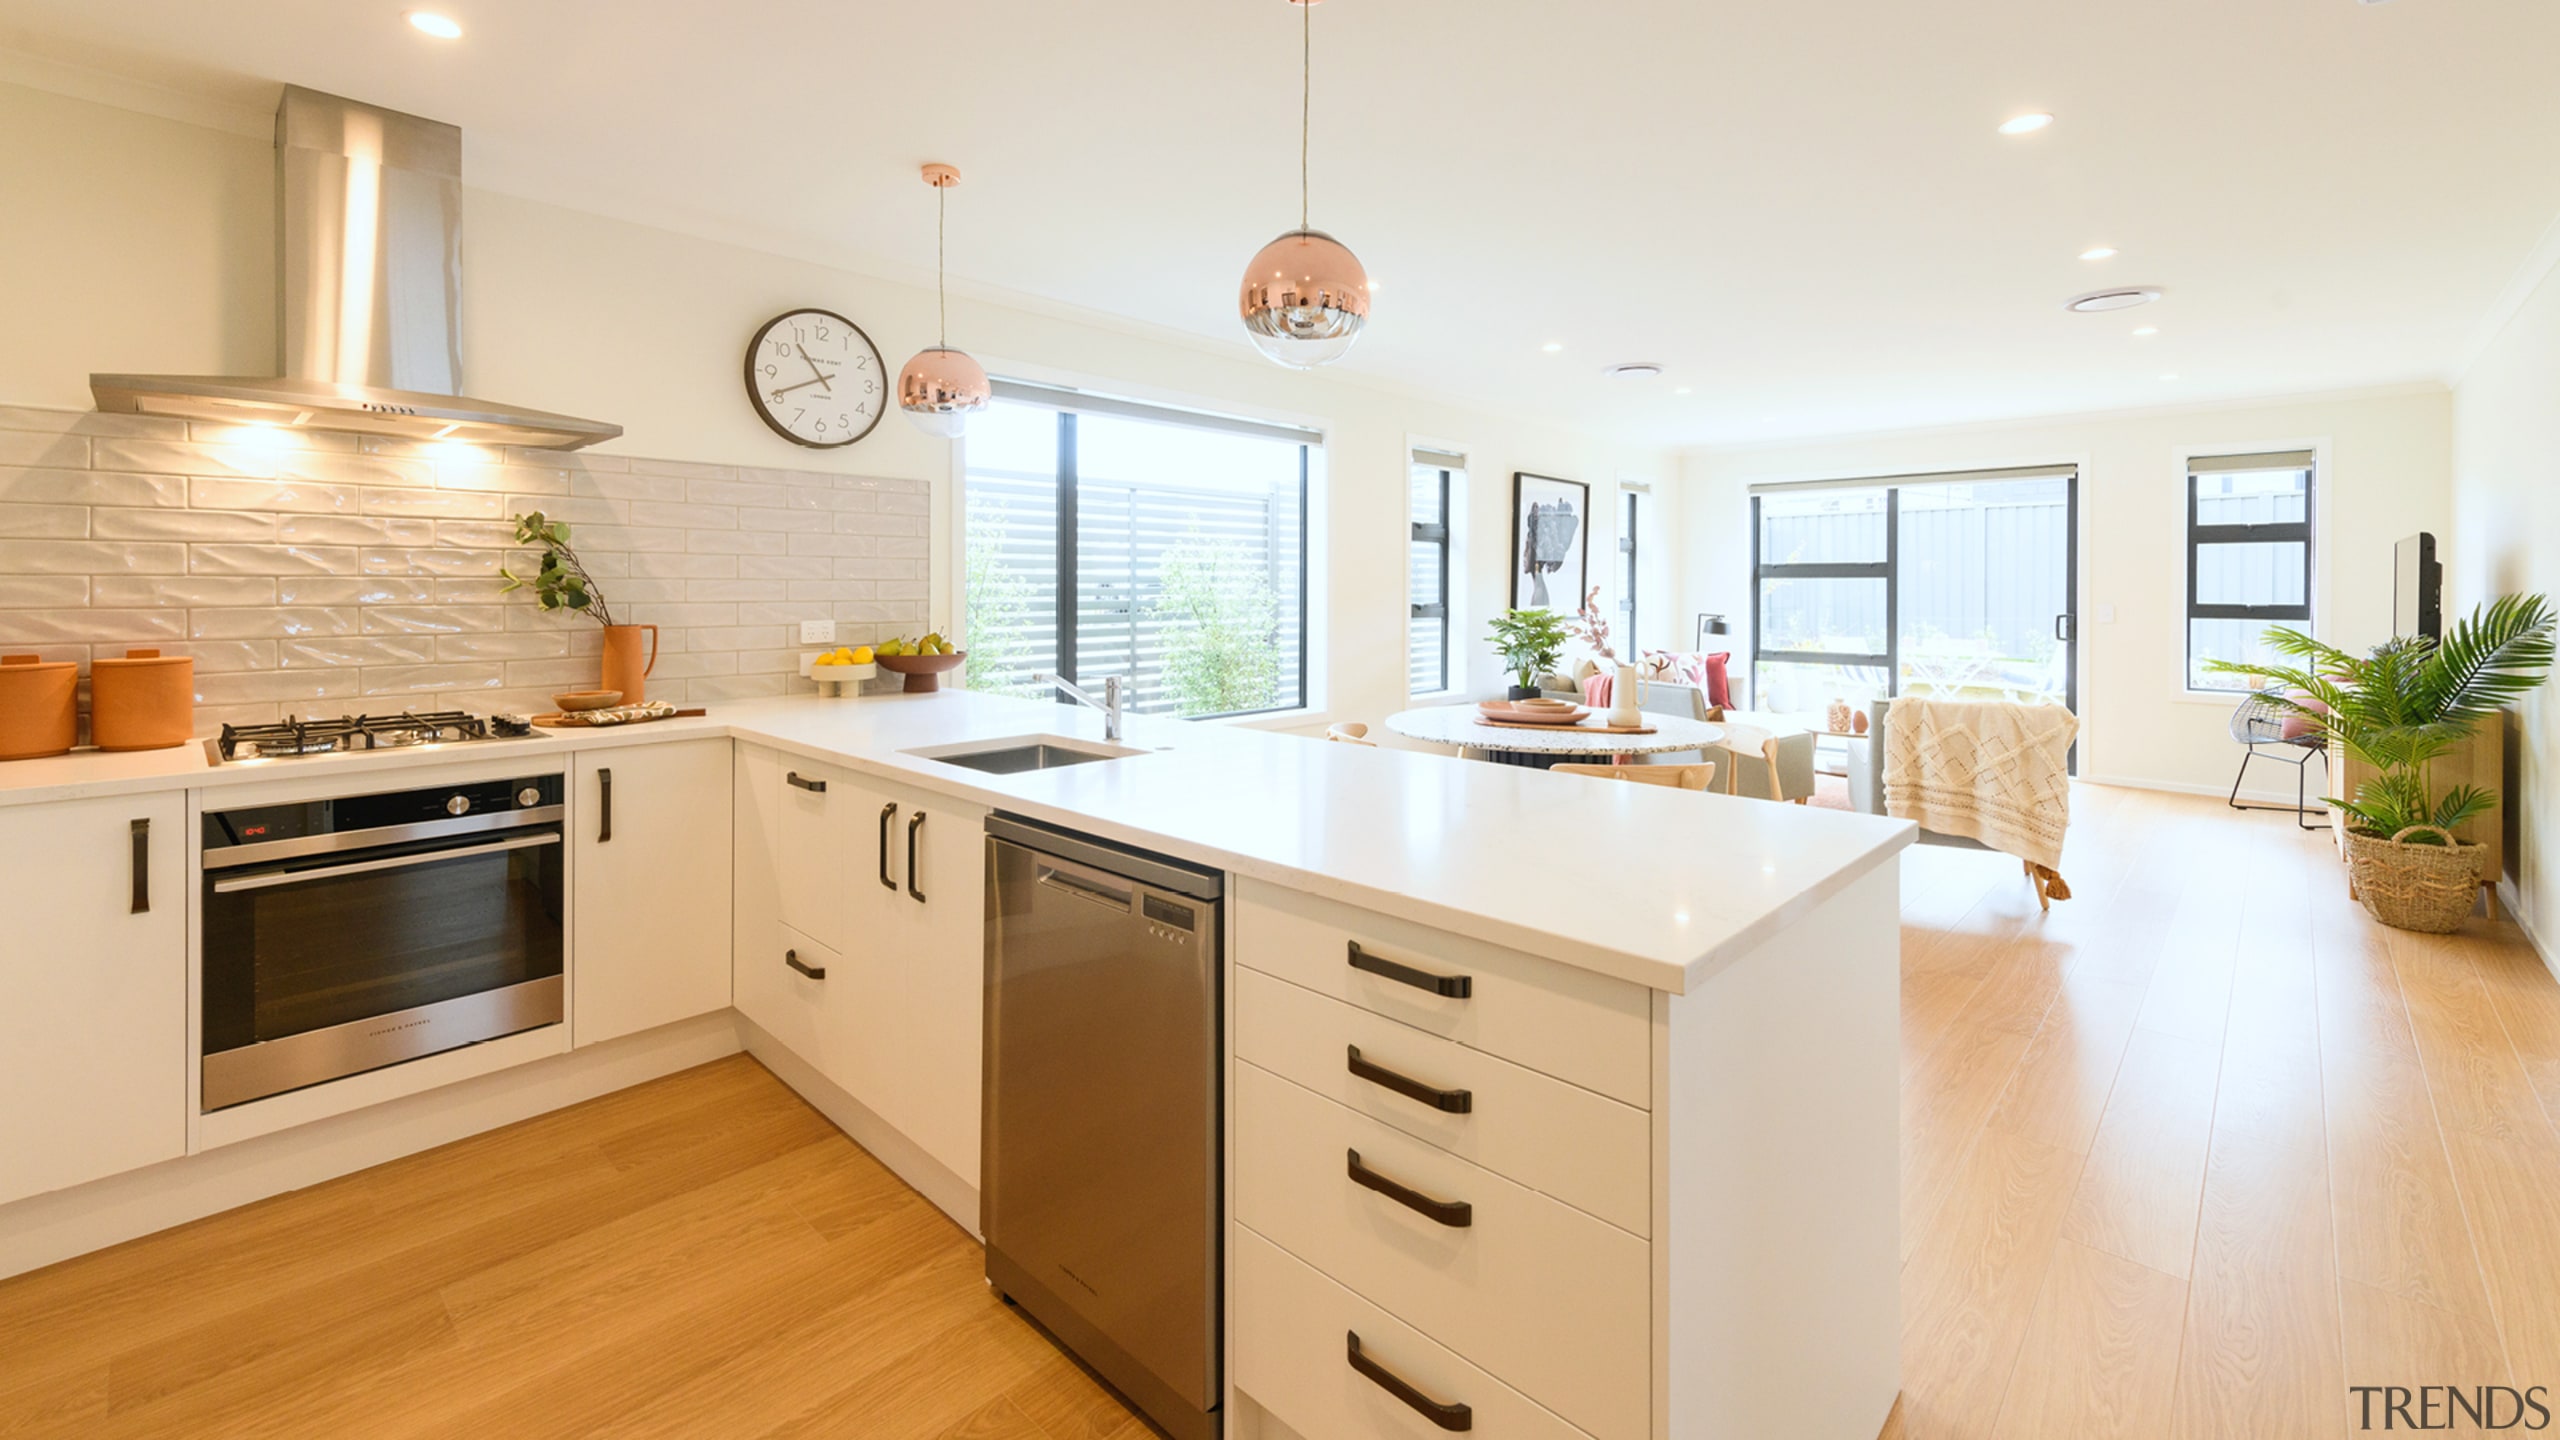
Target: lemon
{"type": "Point", "coordinates": [862, 655]}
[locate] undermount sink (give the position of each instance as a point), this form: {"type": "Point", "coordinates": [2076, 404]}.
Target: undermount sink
{"type": "Point", "coordinates": [1024, 753]}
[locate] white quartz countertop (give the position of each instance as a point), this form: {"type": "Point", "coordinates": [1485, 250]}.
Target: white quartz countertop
{"type": "Point", "coordinates": [1657, 886]}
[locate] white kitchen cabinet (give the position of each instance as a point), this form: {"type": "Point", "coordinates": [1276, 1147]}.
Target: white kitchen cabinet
{"type": "Point", "coordinates": [93, 997]}
{"type": "Point", "coordinates": [815, 809]}
{"type": "Point", "coordinates": [651, 829]}
{"type": "Point", "coordinates": [903, 1026]}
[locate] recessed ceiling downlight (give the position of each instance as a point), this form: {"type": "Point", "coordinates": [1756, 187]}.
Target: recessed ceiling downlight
{"type": "Point", "coordinates": [2026, 124]}
{"type": "Point", "coordinates": [2122, 297]}
{"type": "Point", "coordinates": [443, 27]}
{"type": "Point", "coordinates": [1633, 370]}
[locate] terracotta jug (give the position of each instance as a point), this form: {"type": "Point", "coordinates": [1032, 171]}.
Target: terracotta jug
{"type": "Point", "coordinates": [624, 669]}
{"type": "Point", "coordinates": [145, 701]}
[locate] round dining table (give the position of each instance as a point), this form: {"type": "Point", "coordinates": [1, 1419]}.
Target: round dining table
{"type": "Point", "coordinates": [1541, 746]}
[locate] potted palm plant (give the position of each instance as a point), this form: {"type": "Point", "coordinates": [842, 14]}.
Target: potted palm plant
{"type": "Point", "coordinates": [2397, 709]}
{"type": "Point", "coordinates": [562, 583]}
{"type": "Point", "coordinates": [1529, 642]}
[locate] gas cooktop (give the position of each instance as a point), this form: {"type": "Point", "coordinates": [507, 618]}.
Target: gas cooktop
{"type": "Point", "coordinates": [297, 737]}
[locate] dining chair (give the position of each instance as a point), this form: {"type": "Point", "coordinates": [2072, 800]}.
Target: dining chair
{"type": "Point", "coordinates": [1678, 777]}
{"type": "Point", "coordinates": [1751, 742]}
{"type": "Point", "coordinates": [1350, 732]}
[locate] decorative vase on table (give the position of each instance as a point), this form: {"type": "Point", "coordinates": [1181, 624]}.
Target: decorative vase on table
{"type": "Point", "coordinates": [1839, 717]}
{"type": "Point", "coordinates": [628, 659]}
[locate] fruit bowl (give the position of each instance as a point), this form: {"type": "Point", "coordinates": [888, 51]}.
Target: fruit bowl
{"type": "Point", "coordinates": [924, 672]}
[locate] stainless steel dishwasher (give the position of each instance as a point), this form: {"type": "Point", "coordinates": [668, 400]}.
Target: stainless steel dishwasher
{"type": "Point", "coordinates": [1101, 1174]}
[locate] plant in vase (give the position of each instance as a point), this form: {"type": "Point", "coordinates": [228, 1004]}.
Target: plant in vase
{"type": "Point", "coordinates": [561, 582]}
{"type": "Point", "coordinates": [1529, 642]}
{"type": "Point", "coordinates": [2398, 709]}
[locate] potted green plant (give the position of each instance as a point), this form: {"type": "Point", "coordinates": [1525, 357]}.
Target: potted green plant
{"type": "Point", "coordinates": [2397, 709]}
{"type": "Point", "coordinates": [562, 583]}
{"type": "Point", "coordinates": [1529, 642]}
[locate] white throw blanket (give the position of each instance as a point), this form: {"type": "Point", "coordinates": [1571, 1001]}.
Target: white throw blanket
{"type": "Point", "coordinates": [1992, 771]}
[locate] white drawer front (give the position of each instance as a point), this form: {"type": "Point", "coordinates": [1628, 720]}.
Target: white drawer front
{"type": "Point", "coordinates": [1583, 1148]}
{"type": "Point", "coordinates": [1292, 1345]}
{"type": "Point", "coordinates": [1589, 1029]}
{"type": "Point", "coordinates": [1541, 1296]}
{"type": "Point", "coordinates": [788, 1004]}
{"type": "Point", "coordinates": [811, 842]}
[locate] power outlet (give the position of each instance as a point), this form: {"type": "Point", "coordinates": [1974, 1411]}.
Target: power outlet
{"type": "Point", "coordinates": [817, 632]}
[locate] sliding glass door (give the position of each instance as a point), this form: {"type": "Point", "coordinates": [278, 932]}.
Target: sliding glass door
{"type": "Point", "coordinates": [1929, 584]}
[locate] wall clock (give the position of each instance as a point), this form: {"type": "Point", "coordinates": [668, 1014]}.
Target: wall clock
{"type": "Point", "coordinates": [815, 378]}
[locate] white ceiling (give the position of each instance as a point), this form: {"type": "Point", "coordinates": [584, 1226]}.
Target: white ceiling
{"type": "Point", "coordinates": [1802, 209]}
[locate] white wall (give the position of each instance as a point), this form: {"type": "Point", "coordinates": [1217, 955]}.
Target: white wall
{"type": "Point", "coordinates": [2385, 472]}
{"type": "Point", "coordinates": [2506, 538]}
{"type": "Point", "coordinates": [137, 243]}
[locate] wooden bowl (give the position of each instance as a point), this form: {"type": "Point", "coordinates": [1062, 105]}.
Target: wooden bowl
{"type": "Point", "coordinates": [924, 672]}
{"type": "Point", "coordinates": [576, 701]}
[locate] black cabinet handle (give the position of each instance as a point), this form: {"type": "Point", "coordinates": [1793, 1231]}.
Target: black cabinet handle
{"type": "Point", "coordinates": [888, 813]}
{"type": "Point", "coordinates": [604, 793]}
{"type": "Point", "coordinates": [1456, 1102]}
{"type": "Point", "coordinates": [803, 782]}
{"type": "Point", "coordinates": [1448, 1416]}
{"type": "Point", "coordinates": [912, 827]}
{"type": "Point", "coordinates": [1456, 987]}
{"type": "Point", "coordinates": [814, 972]}
{"type": "Point", "coordinates": [1456, 1214]}
{"type": "Point", "coordinates": [141, 867]}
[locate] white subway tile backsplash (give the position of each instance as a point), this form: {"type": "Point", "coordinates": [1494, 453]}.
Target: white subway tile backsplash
{"type": "Point", "coordinates": [271, 560]}
{"type": "Point", "coordinates": [432, 619]}
{"type": "Point", "coordinates": [90, 557]}
{"type": "Point", "coordinates": [184, 591]}
{"type": "Point", "coordinates": [239, 525]}
{"type": "Point", "coordinates": [271, 495]}
{"type": "Point", "coordinates": [50, 522]}
{"type": "Point", "coordinates": [340, 651]}
{"type": "Point", "coordinates": [42, 592]}
{"type": "Point", "coordinates": [354, 530]}
{"type": "Point", "coordinates": [48, 486]}
{"type": "Point", "coordinates": [260, 623]}
{"type": "Point", "coordinates": [307, 571]}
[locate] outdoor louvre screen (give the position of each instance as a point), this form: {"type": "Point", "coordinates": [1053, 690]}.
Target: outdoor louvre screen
{"type": "Point", "coordinates": [1435, 477]}
{"type": "Point", "coordinates": [2250, 556]}
{"type": "Point", "coordinates": [1105, 537]}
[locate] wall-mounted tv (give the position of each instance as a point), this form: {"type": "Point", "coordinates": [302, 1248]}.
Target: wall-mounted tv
{"type": "Point", "coordinates": [2417, 588]}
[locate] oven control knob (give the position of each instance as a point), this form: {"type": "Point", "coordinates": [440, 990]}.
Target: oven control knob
{"type": "Point", "coordinates": [528, 797]}
{"type": "Point", "coordinates": [457, 805]}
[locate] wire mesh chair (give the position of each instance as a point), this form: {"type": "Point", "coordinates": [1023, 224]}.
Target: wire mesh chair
{"type": "Point", "coordinates": [2259, 725]}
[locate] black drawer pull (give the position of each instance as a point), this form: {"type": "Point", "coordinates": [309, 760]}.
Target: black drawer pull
{"type": "Point", "coordinates": [1446, 1416]}
{"type": "Point", "coordinates": [1456, 1102]}
{"type": "Point", "coordinates": [800, 781]}
{"type": "Point", "coordinates": [913, 826]}
{"type": "Point", "coordinates": [604, 792]}
{"type": "Point", "coordinates": [888, 813]}
{"type": "Point", "coordinates": [1456, 1214]}
{"type": "Point", "coordinates": [141, 904]}
{"type": "Point", "coordinates": [814, 972]}
{"type": "Point", "coordinates": [1456, 987]}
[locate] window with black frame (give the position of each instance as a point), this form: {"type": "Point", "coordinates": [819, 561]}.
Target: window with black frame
{"type": "Point", "coordinates": [1436, 476]}
{"type": "Point", "coordinates": [2249, 557]}
{"type": "Point", "coordinates": [1105, 537]}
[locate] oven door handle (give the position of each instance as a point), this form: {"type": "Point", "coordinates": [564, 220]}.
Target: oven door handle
{"type": "Point", "coordinates": [273, 878]}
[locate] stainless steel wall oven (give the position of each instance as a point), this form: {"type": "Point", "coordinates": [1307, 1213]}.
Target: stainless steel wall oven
{"type": "Point", "coordinates": [347, 934]}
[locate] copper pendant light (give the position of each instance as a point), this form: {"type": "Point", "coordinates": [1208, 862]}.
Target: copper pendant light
{"type": "Point", "coordinates": [1305, 298]}
{"type": "Point", "coordinates": [942, 388]}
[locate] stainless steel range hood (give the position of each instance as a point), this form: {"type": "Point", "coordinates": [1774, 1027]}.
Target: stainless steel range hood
{"type": "Point", "coordinates": [368, 291]}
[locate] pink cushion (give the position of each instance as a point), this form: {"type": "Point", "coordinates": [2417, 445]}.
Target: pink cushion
{"type": "Point", "coordinates": [1596, 688]}
{"type": "Point", "coordinates": [1719, 684]}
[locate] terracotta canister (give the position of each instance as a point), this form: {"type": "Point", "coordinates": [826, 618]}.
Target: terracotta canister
{"type": "Point", "coordinates": [624, 669]}
{"type": "Point", "coordinates": [39, 707]}
{"type": "Point", "coordinates": [145, 701]}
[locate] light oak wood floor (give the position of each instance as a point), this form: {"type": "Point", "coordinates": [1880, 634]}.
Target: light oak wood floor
{"type": "Point", "coordinates": [2185, 1158]}
{"type": "Point", "coordinates": [2206, 1146]}
{"type": "Point", "coordinates": [702, 1256]}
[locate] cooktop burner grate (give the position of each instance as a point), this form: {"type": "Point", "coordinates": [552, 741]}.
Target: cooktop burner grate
{"type": "Point", "coordinates": [350, 732]}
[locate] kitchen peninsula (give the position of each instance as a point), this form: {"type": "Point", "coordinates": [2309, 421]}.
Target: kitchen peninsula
{"type": "Point", "coordinates": [1673, 1017]}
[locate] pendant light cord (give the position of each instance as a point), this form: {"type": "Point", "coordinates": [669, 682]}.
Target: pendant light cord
{"type": "Point", "coordinates": [1306, 96]}
{"type": "Point", "coordinates": [941, 285]}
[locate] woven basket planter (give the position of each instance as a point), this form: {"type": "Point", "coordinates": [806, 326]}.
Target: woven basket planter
{"type": "Point", "coordinates": [2429, 888]}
